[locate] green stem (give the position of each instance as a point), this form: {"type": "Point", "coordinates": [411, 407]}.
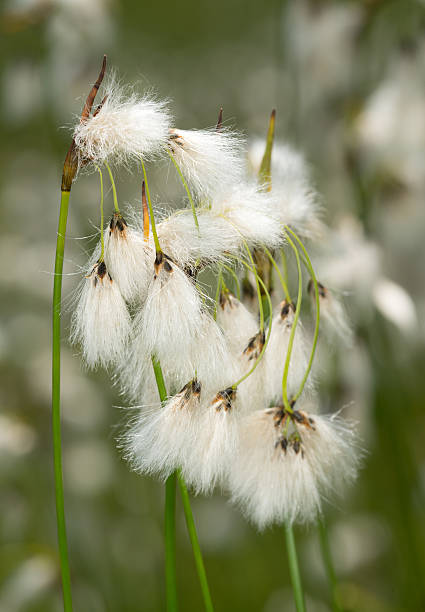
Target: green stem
{"type": "Point", "coordinates": [185, 185]}
{"type": "Point", "coordinates": [263, 350]}
{"type": "Point", "coordinates": [235, 278]}
{"type": "Point", "coordinates": [170, 511]}
{"type": "Point", "coordinates": [56, 419]}
{"type": "Point", "coordinates": [257, 282]}
{"type": "Point", "coordinates": [267, 294]}
{"type": "Point", "coordinates": [170, 544]}
{"type": "Point", "coordinates": [102, 218]}
{"type": "Point", "coordinates": [294, 569]}
{"type": "Point", "coordinates": [293, 329]}
{"type": "Point", "coordinates": [114, 190]}
{"type": "Point", "coordinates": [195, 544]}
{"type": "Point", "coordinates": [330, 570]}
{"type": "Point", "coordinates": [285, 269]}
{"type": "Point", "coordinates": [217, 292]}
{"type": "Point", "coordinates": [152, 216]}
{"type": "Point", "coordinates": [317, 299]}
{"type": "Point", "coordinates": [276, 267]}
{"type": "Point", "coordinates": [170, 522]}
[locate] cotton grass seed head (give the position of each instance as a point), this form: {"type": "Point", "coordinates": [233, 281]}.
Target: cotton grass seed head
{"type": "Point", "coordinates": [287, 462]}
{"type": "Point", "coordinates": [209, 159]}
{"type": "Point", "coordinates": [100, 322]}
{"type": "Point", "coordinates": [128, 257]}
{"type": "Point", "coordinates": [126, 127]}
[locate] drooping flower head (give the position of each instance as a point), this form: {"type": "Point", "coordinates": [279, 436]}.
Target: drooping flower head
{"type": "Point", "coordinates": [287, 462]}
{"type": "Point", "coordinates": [124, 128]}
{"type": "Point", "coordinates": [101, 321]}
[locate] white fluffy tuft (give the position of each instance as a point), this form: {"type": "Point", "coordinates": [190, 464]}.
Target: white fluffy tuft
{"type": "Point", "coordinates": [128, 258]}
{"type": "Point", "coordinates": [101, 321]}
{"type": "Point", "coordinates": [162, 436]}
{"type": "Point", "coordinates": [209, 159]}
{"type": "Point", "coordinates": [126, 127]}
{"type": "Point", "coordinates": [297, 200]}
{"type": "Point", "coordinates": [253, 214]}
{"type": "Point", "coordinates": [333, 314]}
{"type": "Point", "coordinates": [277, 485]}
{"type": "Point", "coordinates": [206, 462]}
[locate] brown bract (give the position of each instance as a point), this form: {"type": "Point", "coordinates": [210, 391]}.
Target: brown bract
{"type": "Point", "coordinates": [70, 165]}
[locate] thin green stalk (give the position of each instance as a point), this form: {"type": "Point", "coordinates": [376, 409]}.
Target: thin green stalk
{"type": "Point", "coordinates": [284, 266]}
{"type": "Point", "coordinates": [170, 512]}
{"type": "Point", "coordinates": [114, 190]}
{"type": "Point", "coordinates": [195, 544]}
{"type": "Point", "coordinates": [56, 419]}
{"type": "Point", "coordinates": [170, 522]}
{"type": "Point", "coordinates": [235, 278]}
{"type": "Point", "coordinates": [170, 544]}
{"type": "Point", "coordinates": [151, 213]}
{"type": "Point", "coordinates": [330, 570]}
{"type": "Point", "coordinates": [185, 185]}
{"type": "Point", "coordinates": [263, 350]}
{"type": "Point", "coordinates": [102, 218]}
{"type": "Point", "coordinates": [293, 328]}
{"type": "Point", "coordinates": [257, 279]}
{"type": "Point", "coordinates": [276, 267]}
{"type": "Point", "coordinates": [294, 569]}
{"type": "Point", "coordinates": [217, 291]}
{"type": "Point", "coordinates": [317, 299]}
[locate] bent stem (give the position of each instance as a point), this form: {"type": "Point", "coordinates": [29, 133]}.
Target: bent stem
{"type": "Point", "coordinates": [294, 569]}
{"type": "Point", "coordinates": [310, 268]}
{"type": "Point", "coordinates": [293, 329]}
{"type": "Point", "coordinates": [102, 218]}
{"type": "Point", "coordinates": [114, 189]}
{"type": "Point", "coordinates": [191, 528]}
{"type": "Point", "coordinates": [186, 187]}
{"type": "Point", "coordinates": [56, 419]}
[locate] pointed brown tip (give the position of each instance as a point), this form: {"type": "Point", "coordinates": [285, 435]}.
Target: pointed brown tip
{"type": "Point", "coordinates": [90, 98]}
{"type": "Point", "coordinates": [273, 114]}
{"type": "Point", "coordinates": [220, 119]}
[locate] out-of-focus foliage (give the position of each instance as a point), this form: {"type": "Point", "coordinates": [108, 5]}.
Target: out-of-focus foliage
{"type": "Point", "coordinates": [347, 80]}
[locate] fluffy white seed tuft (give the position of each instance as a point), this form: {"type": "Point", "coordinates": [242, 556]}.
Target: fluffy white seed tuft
{"type": "Point", "coordinates": [101, 321]}
{"type": "Point", "coordinates": [128, 258]}
{"type": "Point", "coordinates": [206, 463]}
{"type": "Point", "coordinates": [253, 214]}
{"type": "Point", "coordinates": [209, 159]}
{"type": "Point", "coordinates": [126, 127]}
{"type": "Point", "coordinates": [187, 245]}
{"type": "Point", "coordinates": [332, 313]}
{"type": "Point", "coordinates": [237, 323]}
{"type": "Point", "coordinates": [297, 200]}
{"type": "Point", "coordinates": [285, 466]}
{"type": "Point", "coordinates": [162, 436]}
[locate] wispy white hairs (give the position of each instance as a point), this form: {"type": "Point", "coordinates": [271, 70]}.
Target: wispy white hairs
{"type": "Point", "coordinates": [297, 200]}
{"type": "Point", "coordinates": [126, 127]}
{"type": "Point", "coordinates": [286, 465]}
{"type": "Point", "coordinates": [101, 322]}
{"type": "Point", "coordinates": [128, 258]}
{"type": "Point", "coordinates": [209, 159]}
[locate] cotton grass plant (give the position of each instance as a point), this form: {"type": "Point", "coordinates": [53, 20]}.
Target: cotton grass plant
{"type": "Point", "coordinates": [223, 386]}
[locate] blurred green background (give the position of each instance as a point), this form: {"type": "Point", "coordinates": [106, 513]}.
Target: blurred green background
{"type": "Point", "coordinates": [348, 81]}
